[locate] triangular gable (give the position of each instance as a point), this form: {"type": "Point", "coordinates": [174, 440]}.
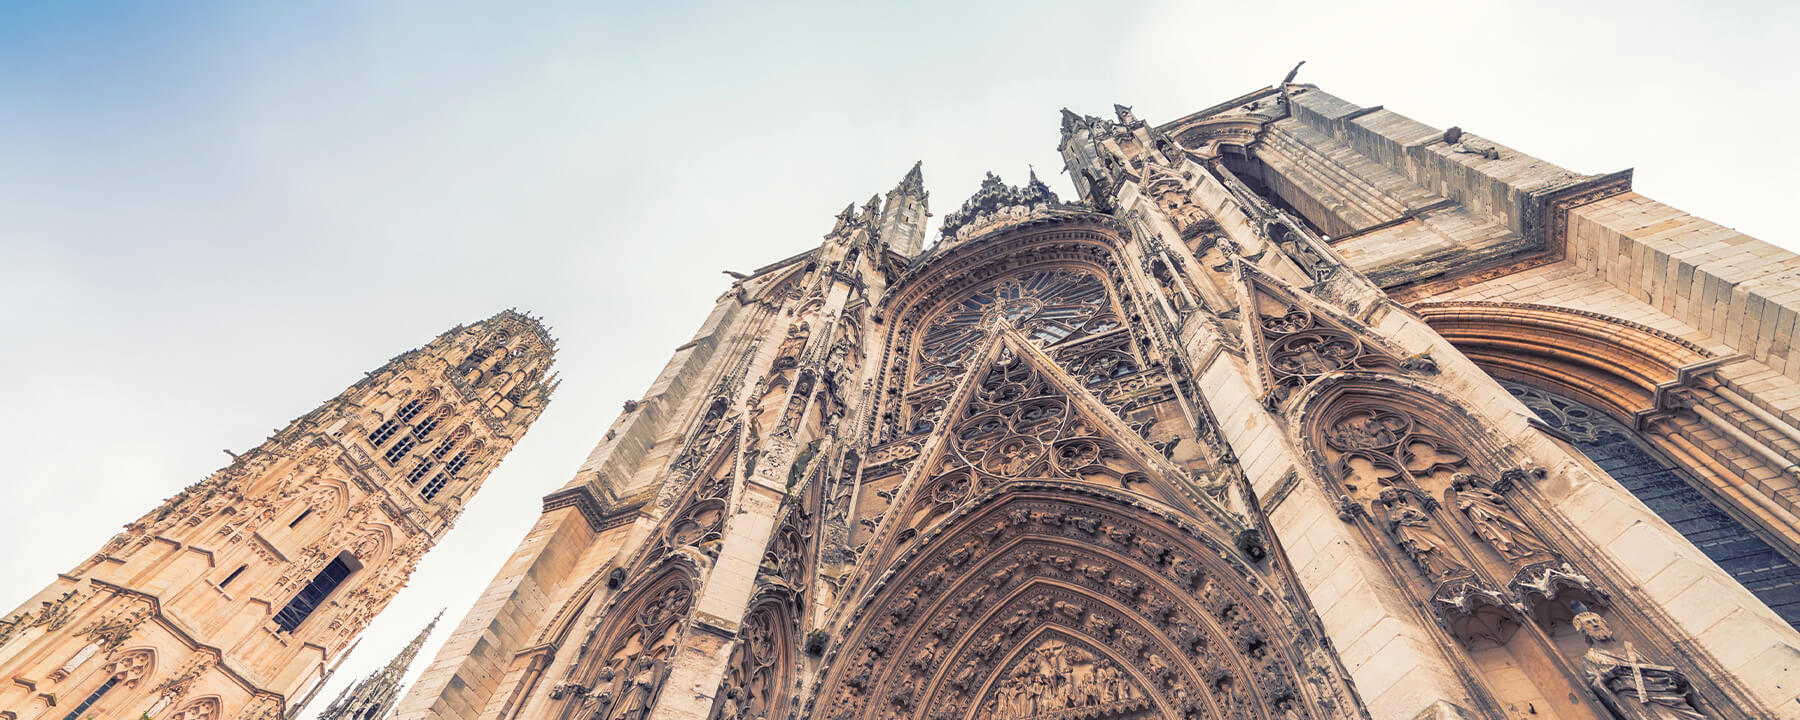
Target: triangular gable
{"type": "Point", "coordinates": [1293, 338]}
{"type": "Point", "coordinates": [1020, 416]}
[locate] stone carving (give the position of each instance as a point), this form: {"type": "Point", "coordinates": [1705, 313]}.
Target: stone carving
{"type": "Point", "coordinates": [1175, 198]}
{"type": "Point", "coordinates": [1492, 519]}
{"type": "Point", "coordinates": [1030, 589]}
{"type": "Point", "coordinates": [1057, 677]}
{"type": "Point", "coordinates": [206, 708]}
{"type": "Point", "coordinates": [1297, 356]}
{"type": "Point", "coordinates": [1417, 536]}
{"type": "Point", "coordinates": [621, 681]}
{"type": "Point", "coordinates": [173, 688]}
{"type": "Point", "coordinates": [131, 668]}
{"type": "Point", "coordinates": [760, 669]}
{"type": "Point", "coordinates": [1634, 689]}
{"type": "Point", "coordinates": [112, 630]}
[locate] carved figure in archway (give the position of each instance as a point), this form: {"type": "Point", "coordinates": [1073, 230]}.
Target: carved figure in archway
{"type": "Point", "coordinates": [1493, 519]}
{"type": "Point", "coordinates": [619, 676]}
{"type": "Point", "coordinates": [1634, 689]}
{"type": "Point", "coordinates": [1418, 536]}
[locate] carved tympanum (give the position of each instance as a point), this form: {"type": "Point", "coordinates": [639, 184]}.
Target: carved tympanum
{"type": "Point", "coordinates": [621, 669]}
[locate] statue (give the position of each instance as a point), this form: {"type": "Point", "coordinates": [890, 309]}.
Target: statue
{"type": "Point", "coordinates": [639, 691]}
{"type": "Point", "coordinates": [1492, 519]}
{"type": "Point", "coordinates": [1637, 690]}
{"type": "Point", "coordinates": [1413, 531]}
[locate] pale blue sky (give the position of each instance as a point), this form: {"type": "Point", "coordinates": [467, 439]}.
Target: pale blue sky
{"type": "Point", "coordinates": [212, 218]}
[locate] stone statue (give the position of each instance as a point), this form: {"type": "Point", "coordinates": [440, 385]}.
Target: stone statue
{"type": "Point", "coordinates": [1637, 690]}
{"type": "Point", "coordinates": [639, 691]}
{"type": "Point", "coordinates": [1492, 519]}
{"type": "Point", "coordinates": [1414, 532]}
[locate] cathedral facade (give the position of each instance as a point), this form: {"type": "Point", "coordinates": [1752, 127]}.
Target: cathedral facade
{"type": "Point", "coordinates": [235, 597]}
{"type": "Point", "coordinates": [1302, 409]}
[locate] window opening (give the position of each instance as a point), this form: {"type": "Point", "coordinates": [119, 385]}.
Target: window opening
{"type": "Point", "coordinates": [301, 516]}
{"type": "Point", "coordinates": [1670, 493]}
{"type": "Point", "coordinates": [92, 698]}
{"type": "Point", "coordinates": [432, 488]}
{"type": "Point", "coordinates": [232, 576]}
{"type": "Point", "coordinates": [311, 596]}
{"type": "Point", "coordinates": [399, 450]}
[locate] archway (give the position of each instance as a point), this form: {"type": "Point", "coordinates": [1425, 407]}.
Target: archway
{"type": "Point", "coordinates": [1048, 597]}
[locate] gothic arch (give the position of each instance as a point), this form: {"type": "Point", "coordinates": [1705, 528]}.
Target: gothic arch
{"type": "Point", "coordinates": [206, 708]}
{"type": "Point", "coordinates": [1184, 626]}
{"type": "Point", "coordinates": [621, 667]}
{"type": "Point", "coordinates": [1597, 359]}
{"type": "Point", "coordinates": [1337, 396]}
{"type": "Point", "coordinates": [760, 675]}
{"type": "Point", "coordinates": [130, 667]}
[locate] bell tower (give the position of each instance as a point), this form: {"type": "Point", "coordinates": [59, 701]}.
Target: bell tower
{"type": "Point", "coordinates": [233, 597]}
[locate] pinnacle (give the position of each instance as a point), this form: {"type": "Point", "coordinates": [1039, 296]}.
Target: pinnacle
{"type": "Point", "coordinates": [914, 182]}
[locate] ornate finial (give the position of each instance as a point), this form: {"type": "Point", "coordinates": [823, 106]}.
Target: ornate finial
{"type": "Point", "coordinates": [996, 204]}
{"type": "Point", "coordinates": [914, 182]}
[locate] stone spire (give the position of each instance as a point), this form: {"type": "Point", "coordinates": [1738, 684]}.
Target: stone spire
{"type": "Point", "coordinates": [904, 214]}
{"type": "Point", "coordinates": [375, 695]}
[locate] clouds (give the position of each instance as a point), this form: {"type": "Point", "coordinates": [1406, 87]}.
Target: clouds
{"type": "Point", "coordinates": [213, 219]}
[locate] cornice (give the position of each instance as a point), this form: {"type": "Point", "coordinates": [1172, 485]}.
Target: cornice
{"type": "Point", "coordinates": [596, 512]}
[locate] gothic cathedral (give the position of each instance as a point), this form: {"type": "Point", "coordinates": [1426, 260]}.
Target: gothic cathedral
{"type": "Point", "coordinates": [1303, 410]}
{"type": "Point", "coordinates": [233, 598]}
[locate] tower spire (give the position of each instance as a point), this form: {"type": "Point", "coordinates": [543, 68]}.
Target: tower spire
{"type": "Point", "coordinates": [904, 214]}
{"type": "Point", "coordinates": [375, 694]}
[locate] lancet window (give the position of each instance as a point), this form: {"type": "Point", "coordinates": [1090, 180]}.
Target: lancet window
{"type": "Point", "coordinates": [430, 423]}
{"type": "Point", "coordinates": [456, 438]}
{"type": "Point", "coordinates": [310, 597]}
{"type": "Point", "coordinates": [449, 472]}
{"type": "Point", "coordinates": [128, 670]}
{"type": "Point", "coordinates": [399, 450]}
{"type": "Point", "coordinates": [92, 698]}
{"type": "Point", "coordinates": [382, 433]}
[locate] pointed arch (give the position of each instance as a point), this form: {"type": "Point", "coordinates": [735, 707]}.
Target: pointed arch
{"type": "Point", "coordinates": [622, 664]}
{"type": "Point", "coordinates": [206, 708]}
{"type": "Point", "coordinates": [759, 676]}
{"type": "Point", "coordinates": [1598, 359]}
{"type": "Point", "coordinates": [1170, 604]}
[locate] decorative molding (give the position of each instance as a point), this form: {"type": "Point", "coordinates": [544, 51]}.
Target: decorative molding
{"type": "Point", "coordinates": [1545, 219]}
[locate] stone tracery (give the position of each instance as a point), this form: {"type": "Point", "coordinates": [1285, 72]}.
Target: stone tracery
{"type": "Point", "coordinates": [1160, 606]}
{"type": "Point", "coordinates": [627, 659]}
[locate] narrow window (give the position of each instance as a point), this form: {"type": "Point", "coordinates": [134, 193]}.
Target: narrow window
{"type": "Point", "coordinates": [300, 517]}
{"type": "Point", "coordinates": [232, 576]}
{"type": "Point", "coordinates": [409, 410]}
{"type": "Point", "coordinates": [456, 463]}
{"type": "Point", "coordinates": [446, 446]}
{"type": "Point", "coordinates": [314, 594]}
{"type": "Point", "coordinates": [92, 698]}
{"type": "Point", "coordinates": [431, 488]}
{"type": "Point", "coordinates": [399, 450]}
{"type": "Point", "coordinates": [1669, 490]}
{"type": "Point", "coordinates": [383, 432]}
{"type": "Point", "coordinates": [419, 471]}
{"type": "Point", "coordinates": [430, 423]}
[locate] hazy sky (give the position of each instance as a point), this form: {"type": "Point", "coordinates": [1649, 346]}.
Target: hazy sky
{"type": "Point", "coordinates": [213, 218]}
